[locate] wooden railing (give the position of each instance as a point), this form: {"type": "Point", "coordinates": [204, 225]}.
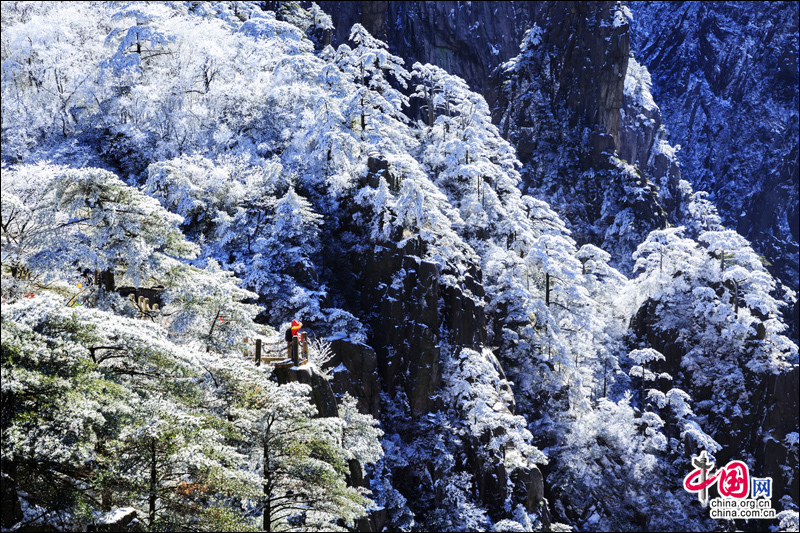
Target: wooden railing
{"type": "Point", "coordinates": [296, 352]}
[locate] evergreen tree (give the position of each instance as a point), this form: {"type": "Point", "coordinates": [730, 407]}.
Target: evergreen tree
{"type": "Point", "coordinates": [301, 465]}
{"type": "Point", "coordinates": [110, 226]}
{"type": "Point", "coordinates": [283, 270]}
{"type": "Point", "coordinates": [103, 410]}
{"type": "Point", "coordinates": [208, 305]}
{"type": "Point", "coordinates": [375, 98]}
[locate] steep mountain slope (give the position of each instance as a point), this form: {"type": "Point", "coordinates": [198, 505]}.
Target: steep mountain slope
{"type": "Point", "coordinates": [586, 130]}
{"type": "Point", "coordinates": [725, 76]}
{"type": "Point", "coordinates": [577, 108]}
{"type": "Point", "coordinates": [309, 184]}
{"type": "Point", "coordinates": [518, 377]}
{"type": "Point", "coordinates": [590, 135]}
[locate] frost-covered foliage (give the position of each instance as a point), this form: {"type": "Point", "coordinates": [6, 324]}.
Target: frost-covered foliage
{"type": "Point", "coordinates": [375, 103]}
{"type": "Point", "coordinates": [474, 386]}
{"type": "Point", "coordinates": [85, 219]}
{"type": "Point", "coordinates": [104, 410]}
{"type": "Point", "coordinates": [207, 305]}
{"type": "Point", "coordinates": [360, 433]}
{"type": "Point", "coordinates": [715, 297]}
{"type": "Point", "coordinates": [638, 85]}
{"type": "Point", "coordinates": [570, 162]}
{"type": "Point", "coordinates": [220, 156]}
{"type": "Point", "coordinates": [430, 453]}
{"type": "Point", "coordinates": [28, 217]}
{"type": "Point", "coordinates": [739, 84]}
{"type": "Point", "coordinates": [707, 305]}
{"type": "Point", "coordinates": [301, 461]}
{"type": "Point", "coordinates": [612, 467]}
{"type": "Point", "coordinates": [50, 68]}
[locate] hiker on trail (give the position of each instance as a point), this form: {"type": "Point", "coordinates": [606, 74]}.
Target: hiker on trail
{"type": "Point", "coordinates": [294, 330]}
{"type": "Point", "coordinates": [291, 333]}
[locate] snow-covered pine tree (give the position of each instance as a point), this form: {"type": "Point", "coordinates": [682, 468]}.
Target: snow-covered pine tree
{"type": "Point", "coordinates": [298, 458]}
{"type": "Point", "coordinates": [283, 271]}
{"type": "Point", "coordinates": [104, 411]}
{"type": "Point", "coordinates": [375, 97]}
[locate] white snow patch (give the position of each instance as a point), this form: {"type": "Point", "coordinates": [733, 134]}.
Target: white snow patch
{"type": "Point", "coordinates": [117, 514]}
{"type": "Point", "coordinates": [340, 368]}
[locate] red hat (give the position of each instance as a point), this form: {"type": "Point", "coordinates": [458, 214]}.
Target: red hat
{"type": "Point", "coordinates": [296, 324]}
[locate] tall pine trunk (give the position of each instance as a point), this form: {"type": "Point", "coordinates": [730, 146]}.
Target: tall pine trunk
{"type": "Point", "coordinates": [153, 482]}
{"type": "Point", "coordinates": [267, 508]}
{"type": "Point", "coordinates": [547, 289]}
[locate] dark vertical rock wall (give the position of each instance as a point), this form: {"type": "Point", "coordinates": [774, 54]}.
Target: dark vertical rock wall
{"type": "Point", "coordinates": [588, 58]}
{"type": "Point", "coordinates": [725, 75]}
{"type": "Point", "coordinates": [564, 106]}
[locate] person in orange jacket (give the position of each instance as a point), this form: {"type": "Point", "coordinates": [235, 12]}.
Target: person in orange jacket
{"type": "Point", "coordinates": [293, 331]}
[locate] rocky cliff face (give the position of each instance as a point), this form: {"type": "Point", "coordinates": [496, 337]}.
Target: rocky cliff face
{"type": "Point", "coordinates": [566, 111]}
{"type": "Point", "coordinates": [760, 427]}
{"type": "Point", "coordinates": [418, 314]}
{"type": "Point", "coordinates": [412, 315]}
{"type": "Point", "coordinates": [468, 39]}
{"type": "Point", "coordinates": [725, 77]}
{"type": "Point", "coordinates": [588, 136]}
